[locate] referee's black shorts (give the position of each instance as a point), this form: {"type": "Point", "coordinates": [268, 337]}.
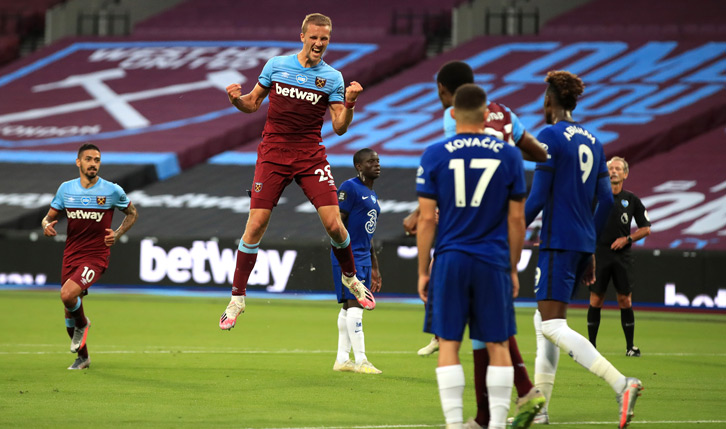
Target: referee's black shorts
{"type": "Point", "coordinates": [613, 265]}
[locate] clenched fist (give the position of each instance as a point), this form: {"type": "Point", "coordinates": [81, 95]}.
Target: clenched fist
{"type": "Point", "coordinates": [234, 91]}
{"type": "Point", "coordinates": [351, 92]}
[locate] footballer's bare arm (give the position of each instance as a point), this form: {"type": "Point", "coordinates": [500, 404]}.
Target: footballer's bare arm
{"type": "Point", "coordinates": [532, 149]}
{"type": "Point", "coordinates": [342, 114]}
{"type": "Point", "coordinates": [250, 102]}
{"type": "Point", "coordinates": [49, 221]}
{"type": "Point", "coordinates": [126, 224]}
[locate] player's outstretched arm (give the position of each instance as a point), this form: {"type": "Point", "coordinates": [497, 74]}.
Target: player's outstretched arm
{"type": "Point", "coordinates": [516, 230]}
{"type": "Point", "coordinates": [342, 114]}
{"type": "Point", "coordinates": [126, 224]}
{"type": "Point", "coordinates": [49, 221]}
{"type": "Point", "coordinates": [532, 149]}
{"type": "Point", "coordinates": [248, 103]}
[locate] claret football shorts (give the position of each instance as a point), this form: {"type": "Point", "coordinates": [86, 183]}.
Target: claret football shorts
{"type": "Point", "coordinates": [85, 272]}
{"type": "Point", "coordinates": [278, 164]}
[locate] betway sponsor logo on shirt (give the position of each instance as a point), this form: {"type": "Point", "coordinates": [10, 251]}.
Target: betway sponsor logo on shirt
{"type": "Point", "coordinates": [83, 214]}
{"type": "Point", "coordinates": [297, 93]}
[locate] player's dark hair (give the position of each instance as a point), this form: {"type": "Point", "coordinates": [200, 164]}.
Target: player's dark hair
{"type": "Point", "coordinates": [469, 97]}
{"type": "Point", "coordinates": [566, 87]}
{"type": "Point", "coordinates": [454, 74]}
{"type": "Point", "coordinates": [87, 146]}
{"type": "Point", "coordinates": [358, 157]}
{"type": "Point", "coordinates": [316, 19]}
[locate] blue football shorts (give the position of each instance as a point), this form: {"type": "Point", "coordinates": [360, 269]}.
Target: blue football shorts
{"type": "Point", "coordinates": [558, 274]}
{"type": "Point", "coordinates": [363, 274]}
{"type": "Point", "coordinates": [464, 290]}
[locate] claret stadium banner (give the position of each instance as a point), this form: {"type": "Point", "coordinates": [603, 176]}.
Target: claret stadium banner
{"type": "Point", "coordinates": [671, 279]}
{"type": "Point", "coordinates": [157, 102]}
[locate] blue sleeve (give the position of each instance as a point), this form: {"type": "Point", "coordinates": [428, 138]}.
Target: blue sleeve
{"type": "Point", "coordinates": [57, 202]}
{"type": "Point", "coordinates": [541, 185]}
{"type": "Point", "coordinates": [346, 197]}
{"type": "Point", "coordinates": [517, 127]}
{"type": "Point", "coordinates": [449, 123]}
{"type": "Point", "coordinates": [519, 185]}
{"type": "Point", "coordinates": [425, 186]}
{"type": "Point", "coordinates": [604, 196]}
{"type": "Point", "coordinates": [338, 94]}
{"type": "Point", "coordinates": [543, 178]}
{"type": "Point", "coordinates": [122, 201]}
{"type": "Point", "coordinates": [265, 78]}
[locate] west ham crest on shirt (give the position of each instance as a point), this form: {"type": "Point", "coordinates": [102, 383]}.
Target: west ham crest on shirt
{"type": "Point", "coordinates": [101, 200]}
{"type": "Point", "coordinates": [258, 186]}
{"type": "Point", "coordinates": [320, 82]}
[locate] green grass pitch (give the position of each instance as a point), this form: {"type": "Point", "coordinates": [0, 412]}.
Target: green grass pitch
{"type": "Point", "coordinates": [163, 362]}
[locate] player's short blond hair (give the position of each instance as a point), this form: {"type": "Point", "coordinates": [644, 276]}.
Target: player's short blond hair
{"type": "Point", "coordinates": [316, 19]}
{"type": "Point", "coordinates": [625, 163]}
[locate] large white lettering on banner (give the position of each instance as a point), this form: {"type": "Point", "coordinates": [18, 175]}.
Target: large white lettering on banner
{"type": "Point", "coordinates": [676, 299]}
{"type": "Point", "coordinates": [206, 263]}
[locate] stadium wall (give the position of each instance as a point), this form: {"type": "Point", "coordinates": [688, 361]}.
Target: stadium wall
{"type": "Point", "coordinates": [663, 278]}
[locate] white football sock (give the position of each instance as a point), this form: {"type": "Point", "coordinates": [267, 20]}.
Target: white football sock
{"type": "Point", "coordinates": [354, 320]}
{"type": "Point", "coordinates": [582, 351]}
{"type": "Point", "coordinates": [343, 339]}
{"type": "Point", "coordinates": [546, 360]}
{"type": "Point", "coordinates": [500, 380]}
{"type": "Point", "coordinates": [451, 390]}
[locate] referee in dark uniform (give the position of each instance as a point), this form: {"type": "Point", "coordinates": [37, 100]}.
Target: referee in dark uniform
{"type": "Point", "coordinates": [613, 259]}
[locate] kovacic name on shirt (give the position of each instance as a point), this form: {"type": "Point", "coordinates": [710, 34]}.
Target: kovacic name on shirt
{"type": "Point", "coordinates": [486, 142]}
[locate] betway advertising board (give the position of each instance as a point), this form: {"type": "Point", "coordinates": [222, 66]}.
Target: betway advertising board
{"type": "Point", "coordinates": [663, 279]}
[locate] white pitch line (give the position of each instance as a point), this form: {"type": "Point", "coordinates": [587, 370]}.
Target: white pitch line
{"type": "Point", "coordinates": [438, 425]}
{"type": "Point", "coordinates": [252, 352]}
{"type": "Point", "coordinates": [271, 352]}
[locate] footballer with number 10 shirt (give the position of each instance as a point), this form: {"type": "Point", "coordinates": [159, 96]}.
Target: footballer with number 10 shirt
{"type": "Point", "coordinates": [89, 203]}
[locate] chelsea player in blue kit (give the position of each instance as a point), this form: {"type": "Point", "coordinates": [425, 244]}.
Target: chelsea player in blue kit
{"type": "Point", "coordinates": [359, 210]}
{"type": "Point", "coordinates": [477, 182]}
{"type": "Point", "coordinates": [566, 188]}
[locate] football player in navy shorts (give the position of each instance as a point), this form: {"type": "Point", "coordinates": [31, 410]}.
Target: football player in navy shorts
{"type": "Point", "coordinates": [359, 209]}
{"type": "Point", "coordinates": [477, 183]}
{"type": "Point", "coordinates": [506, 126]}
{"type": "Point", "coordinates": [572, 189]}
